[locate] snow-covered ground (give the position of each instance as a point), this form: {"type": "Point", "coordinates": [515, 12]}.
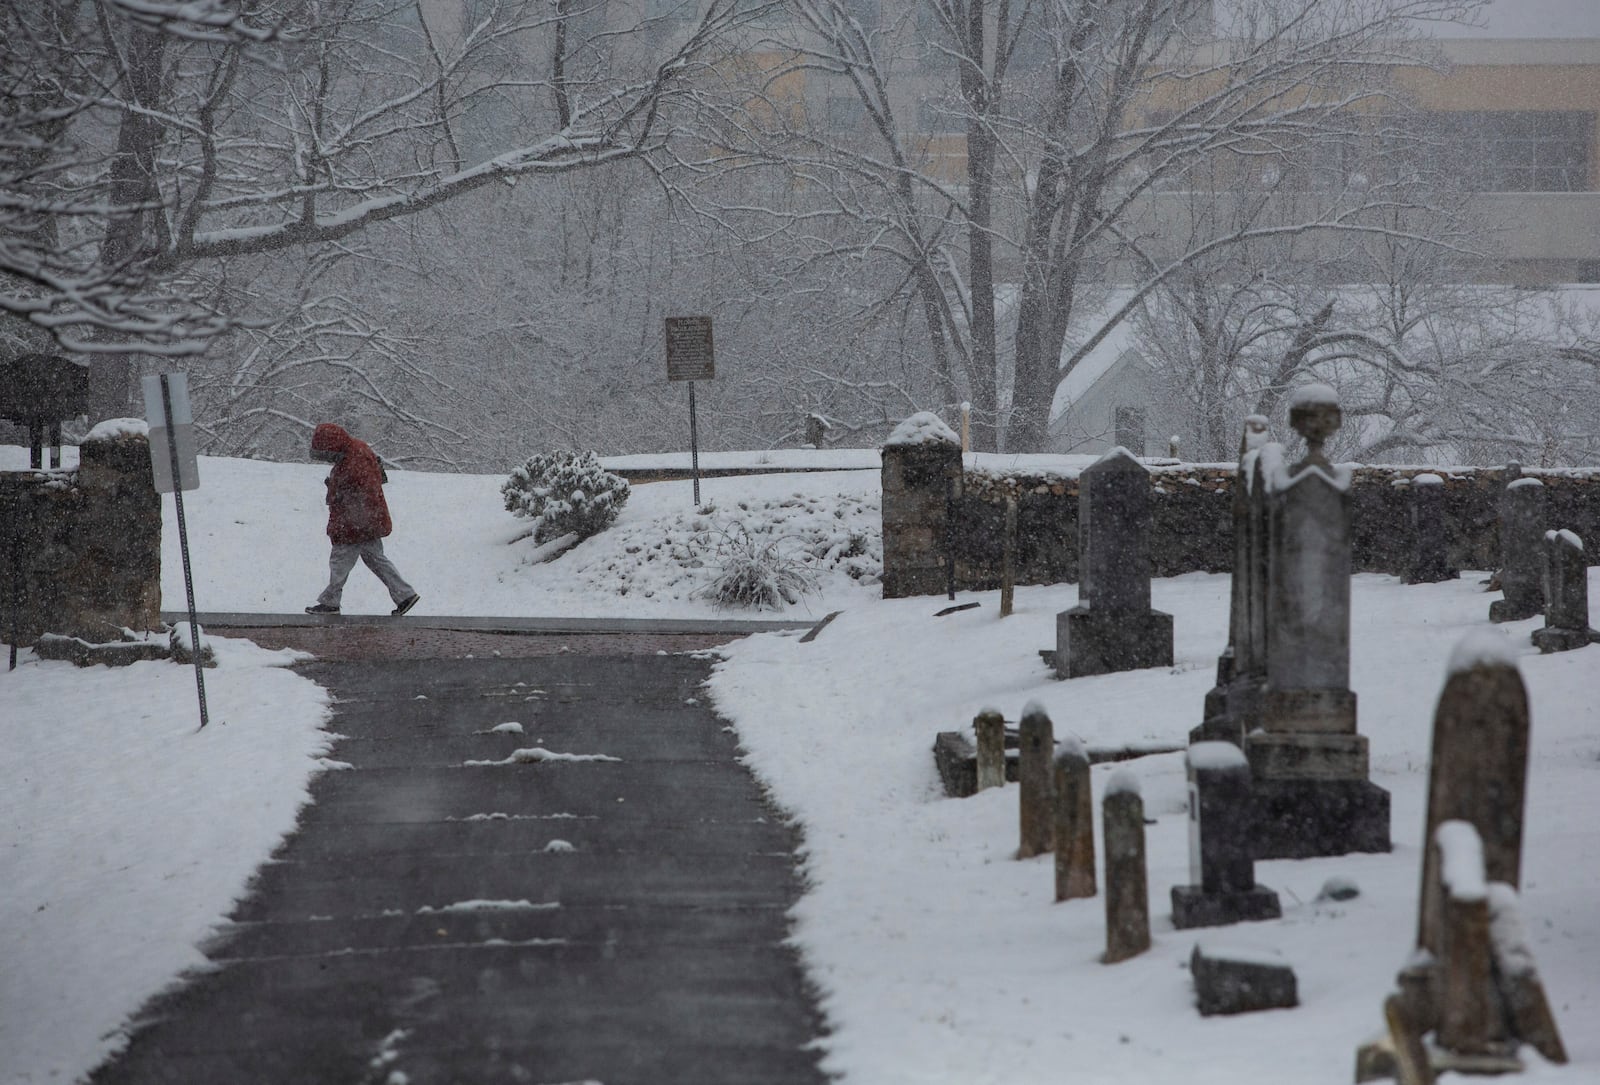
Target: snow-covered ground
{"type": "Point", "coordinates": [939, 957]}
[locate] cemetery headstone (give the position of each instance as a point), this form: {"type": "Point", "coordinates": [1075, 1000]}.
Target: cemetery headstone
{"type": "Point", "coordinates": [1127, 881]}
{"type": "Point", "coordinates": [1223, 887]}
{"type": "Point", "coordinates": [1521, 562]}
{"type": "Point", "coordinates": [1312, 794]}
{"type": "Point", "coordinates": [1074, 824]}
{"type": "Point", "coordinates": [1472, 982]}
{"type": "Point", "coordinates": [1430, 557]}
{"type": "Point", "coordinates": [1241, 979]}
{"type": "Point", "coordinates": [989, 727]}
{"type": "Point", "coordinates": [1566, 594]}
{"type": "Point", "coordinates": [1113, 628]}
{"type": "Point", "coordinates": [1229, 705]}
{"type": "Point", "coordinates": [1478, 768]}
{"type": "Point", "coordinates": [1035, 745]}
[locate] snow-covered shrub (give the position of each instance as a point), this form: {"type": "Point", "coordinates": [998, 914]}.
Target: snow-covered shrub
{"type": "Point", "coordinates": [756, 574]}
{"type": "Point", "coordinates": [565, 492]}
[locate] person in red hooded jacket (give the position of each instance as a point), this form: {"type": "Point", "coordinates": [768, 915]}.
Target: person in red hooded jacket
{"type": "Point", "coordinates": [358, 518]}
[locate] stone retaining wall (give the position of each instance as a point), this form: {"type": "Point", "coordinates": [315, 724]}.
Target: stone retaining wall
{"type": "Point", "coordinates": [80, 550]}
{"type": "Point", "coordinates": [1193, 528]}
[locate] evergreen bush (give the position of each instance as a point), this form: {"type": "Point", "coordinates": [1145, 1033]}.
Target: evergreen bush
{"type": "Point", "coordinates": [565, 492]}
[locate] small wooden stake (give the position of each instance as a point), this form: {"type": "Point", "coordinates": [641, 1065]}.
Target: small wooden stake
{"type": "Point", "coordinates": [1008, 559]}
{"type": "Point", "coordinates": [990, 728]}
{"type": "Point", "coordinates": [1074, 828]}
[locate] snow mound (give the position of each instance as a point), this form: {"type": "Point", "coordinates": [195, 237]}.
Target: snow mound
{"type": "Point", "coordinates": [534, 754]}
{"type": "Point", "coordinates": [1313, 395]}
{"type": "Point", "coordinates": [112, 428]}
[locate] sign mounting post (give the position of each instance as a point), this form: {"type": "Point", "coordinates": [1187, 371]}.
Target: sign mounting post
{"type": "Point", "coordinates": [690, 357]}
{"type": "Point", "coordinates": [172, 459]}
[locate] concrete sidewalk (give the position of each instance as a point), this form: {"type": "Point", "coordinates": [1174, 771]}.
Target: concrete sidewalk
{"type": "Point", "coordinates": [431, 921]}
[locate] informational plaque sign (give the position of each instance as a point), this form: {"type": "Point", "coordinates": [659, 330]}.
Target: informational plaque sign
{"type": "Point", "coordinates": [689, 352]}
{"type": "Point", "coordinates": [178, 430]}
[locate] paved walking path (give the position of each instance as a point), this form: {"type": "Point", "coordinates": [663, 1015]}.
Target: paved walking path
{"type": "Point", "coordinates": [608, 921]}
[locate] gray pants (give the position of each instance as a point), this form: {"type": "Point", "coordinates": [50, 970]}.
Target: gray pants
{"type": "Point", "coordinates": [343, 560]}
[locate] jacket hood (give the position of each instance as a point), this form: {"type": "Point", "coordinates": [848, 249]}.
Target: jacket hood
{"type": "Point", "coordinates": [331, 438]}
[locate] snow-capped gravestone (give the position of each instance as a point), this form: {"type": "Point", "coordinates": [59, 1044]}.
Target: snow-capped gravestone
{"type": "Point", "coordinates": [1074, 824]}
{"type": "Point", "coordinates": [1430, 557]}
{"type": "Point", "coordinates": [1478, 770]}
{"type": "Point", "coordinates": [1521, 560]}
{"type": "Point", "coordinates": [1113, 627]}
{"type": "Point", "coordinates": [1472, 982]}
{"type": "Point", "coordinates": [1312, 795]}
{"type": "Point", "coordinates": [1127, 882]}
{"type": "Point", "coordinates": [1232, 705]}
{"type": "Point", "coordinates": [1035, 795]}
{"type": "Point", "coordinates": [1566, 594]}
{"type": "Point", "coordinates": [1221, 864]}
{"type": "Point", "coordinates": [921, 471]}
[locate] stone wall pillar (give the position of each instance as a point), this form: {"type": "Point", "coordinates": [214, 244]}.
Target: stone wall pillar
{"type": "Point", "coordinates": [80, 551]}
{"type": "Point", "coordinates": [921, 468]}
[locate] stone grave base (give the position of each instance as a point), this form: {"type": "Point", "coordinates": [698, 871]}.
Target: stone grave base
{"type": "Point", "coordinates": [1093, 642]}
{"type": "Point", "coordinates": [1231, 981]}
{"type": "Point", "coordinates": [83, 653]}
{"type": "Point", "coordinates": [1306, 755]}
{"type": "Point", "coordinates": [1549, 639]}
{"type": "Point", "coordinates": [1192, 906]}
{"type": "Point", "coordinates": [1302, 819]}
{"type": "Point", "coordinates": [1376, 1061]}
{"type": "Point", "coordinates": [1512, 610]}
{"type": "Point", "coordinates": [1324, 711]}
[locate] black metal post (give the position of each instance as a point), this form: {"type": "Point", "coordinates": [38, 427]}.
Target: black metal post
{"type": "Point", "coordinates": [694, 446]}
{"type": "Point", "coordinates": [183, 545]}
{"type": "Point", "coordinates": [14, 588]}
{"type": "Point", "coordinates": [36, 444]}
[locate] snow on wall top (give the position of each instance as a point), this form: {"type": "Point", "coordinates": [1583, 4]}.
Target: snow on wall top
{"type": "Point", "coordinates": [1482, 648]}
{"type": "Point", "coordinates": [1308, 395]}
{"type": "Point", "coordinates": [1427, 478]}
{"type": "Point", "coordinates": [923, 428]}
{"type": "Point", "coordinates": [113, 428]}
{"type": "Point", "coordinates": [1523, 483]}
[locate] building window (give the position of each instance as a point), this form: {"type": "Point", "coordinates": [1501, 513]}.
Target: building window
{"type": "Point", "coordinates": [936, 117]}
{"type": "Point", "coordinates": [1520, 151]}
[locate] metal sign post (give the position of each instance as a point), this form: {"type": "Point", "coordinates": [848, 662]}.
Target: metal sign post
{"type": "Point", "coordinates": [172, 458]}
{"type": "Point", "coordinates": [690, 357]}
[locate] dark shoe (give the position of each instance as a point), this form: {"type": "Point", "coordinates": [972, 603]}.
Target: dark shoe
{"type": "Point", "coordinates": [405, 606]}
{"type": "Point", "coordinates": [321, 608]}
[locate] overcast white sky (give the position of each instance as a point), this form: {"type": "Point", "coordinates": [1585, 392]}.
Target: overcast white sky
{"type": "Point", "coordinates": [1533, 19]}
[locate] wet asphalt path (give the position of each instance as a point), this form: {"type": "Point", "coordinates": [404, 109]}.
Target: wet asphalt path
{"type": "Point", "coordinates": [649, 948]}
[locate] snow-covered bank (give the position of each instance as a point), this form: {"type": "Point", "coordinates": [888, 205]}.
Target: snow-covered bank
{"type": "Point", "coordinates": [943, 959]}
{"type": "Point", "coordinates": [126, 833]}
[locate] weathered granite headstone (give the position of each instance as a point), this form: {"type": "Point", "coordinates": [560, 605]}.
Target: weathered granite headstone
{"type": "Point", "coordinates": [1521, 563]}
{"type": "Point", "coordinates": [1074, 823]}
{"type": "Point", "coordinates": [1230, 704]}
{"type": "Point", "coordinates": [1113, 627]}
{"type": "Point", "coordinates": [1035, 745]}
{"type": "Point", "coordinates": [1312, 794]}
{"type": "Point", "coordinates": [1430, 557]}
{"type": "Point", "coordinates": [989, 727]}
{"type": "Point", "coordinates": [1566, 594]}
{"type": "Point", "coordinates": [1240, 979]}
{"type": "Point", "coordinates": [1130, 428]}
{"type": "Point", "coordinates": [1221, 831]}
{"type": "Point", "coordinates": [1127, 882]}
{"type": "Point", "coordinates": [1478, 768]}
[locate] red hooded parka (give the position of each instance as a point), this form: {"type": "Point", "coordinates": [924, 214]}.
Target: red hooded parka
{"type": "Point", "coordinates": [357, 512]}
